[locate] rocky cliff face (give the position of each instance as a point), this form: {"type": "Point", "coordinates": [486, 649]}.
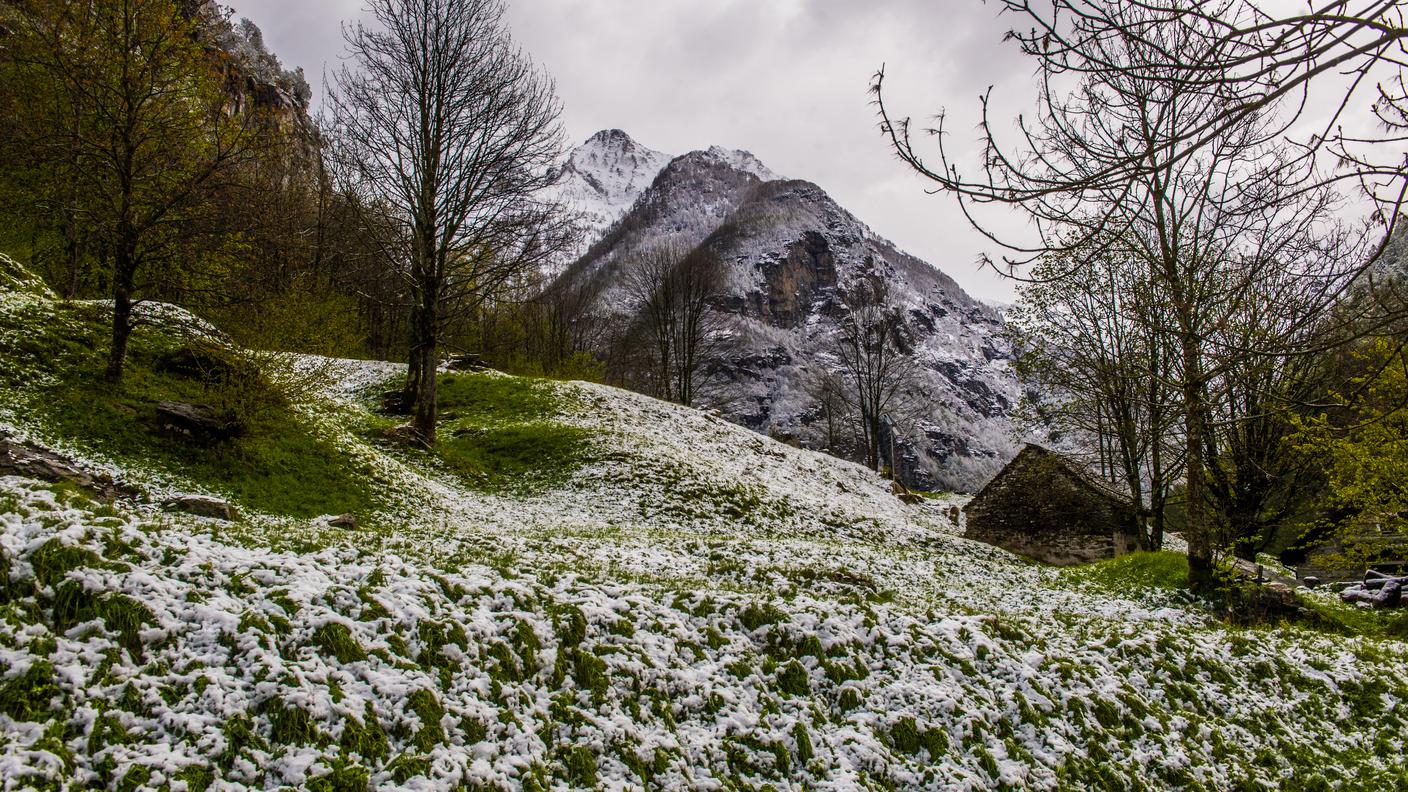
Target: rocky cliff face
{"type": "Point", "coordinates": [788, 251]}
{"type": "Point", "coordinates": [253, 80]}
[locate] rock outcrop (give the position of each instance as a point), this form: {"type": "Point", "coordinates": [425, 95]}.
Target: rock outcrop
{"type": "Point", "coordinates": [202, 506]}
{"type": "Point", "coordinates": [198, 422]}
{"type": "Point", "coordinates": [31, 461]}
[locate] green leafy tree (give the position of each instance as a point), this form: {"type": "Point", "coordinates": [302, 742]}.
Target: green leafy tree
{"type": "Point", "coordinates": [1359, 439]}
{"type": "Point", "coordinates": [122, 108]}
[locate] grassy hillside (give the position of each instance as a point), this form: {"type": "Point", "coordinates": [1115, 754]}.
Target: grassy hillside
{"type": "Point", "coordinates": [585, 588]}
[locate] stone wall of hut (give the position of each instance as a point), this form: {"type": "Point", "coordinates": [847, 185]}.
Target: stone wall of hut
{"type": "Point", "coordinates": [1042, 510]}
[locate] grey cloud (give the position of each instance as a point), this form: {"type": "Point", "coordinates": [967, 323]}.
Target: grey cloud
{"type": "Point", "coordinates": [785, 79]}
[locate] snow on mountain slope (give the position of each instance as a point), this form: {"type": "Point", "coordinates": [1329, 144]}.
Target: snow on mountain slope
{"type": "Point", "coordinates": [605, 176]}
{"type": "Point", "coordinates": [742, 161]}
{"type": "Point", "coordinates": [602, 178]}
{"type": "Point", "coordinates": [789, 251]}
{"type": "Point", "coordinates": [693, 606]}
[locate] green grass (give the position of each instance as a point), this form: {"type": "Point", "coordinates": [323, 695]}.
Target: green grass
{"type": "Point", "coordinates": [365, 737]}
{"type": "Point", "coordinates": [688, 496]}
{"type": "Point", "coordinates": [335, 640]}
{"type": "Point", "coordinates": [279, 466]}
{"type": "Point", "coordinates": [491, 399]}
{"type": "Point", "coordinates": [53, 560]}
{"type": "Point", "coordinates": [74, 604]}
{"type": "Point", "coordinates": [1163, 570]}
{"type": "Point", "coordinates": [1169, 571]}
{"type": "Point", "coordinates": [1335, 617]}
{"type": "Point", "coordinates": [30, 696]}
{"type": "Point", "coordinates": [502, 433]}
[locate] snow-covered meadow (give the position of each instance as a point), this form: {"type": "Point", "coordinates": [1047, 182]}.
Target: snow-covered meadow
{"type": "Point", "coordinates": [690, 606]}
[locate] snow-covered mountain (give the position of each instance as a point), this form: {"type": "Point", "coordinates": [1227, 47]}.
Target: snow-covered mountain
{"type": "Point", "coordinates": [604, 177]}
{"type": "Point", "coordinates": [789, 250]}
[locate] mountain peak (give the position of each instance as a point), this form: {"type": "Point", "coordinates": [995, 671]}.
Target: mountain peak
{"type": "Point", "coordinates": [787, 252]}
{"type": "Point", "coordinates": [602, 178]}
{"type": "Point", "coordinates": [732, 159]}
{"type": "Point", "coordinates": [613, 152]}
{"type": "Point", "coordinates": [611, 137]}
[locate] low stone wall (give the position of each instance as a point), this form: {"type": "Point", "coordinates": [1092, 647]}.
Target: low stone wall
{"type": "Point", "coordinates": [1056, 548]}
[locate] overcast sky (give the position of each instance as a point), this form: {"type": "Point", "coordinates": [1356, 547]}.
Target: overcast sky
{"type": "Point", "coordinates": [784, 79]}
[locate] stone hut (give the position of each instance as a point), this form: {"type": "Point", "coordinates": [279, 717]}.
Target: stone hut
{"type": "Point", "coordinates": [1048, 507]}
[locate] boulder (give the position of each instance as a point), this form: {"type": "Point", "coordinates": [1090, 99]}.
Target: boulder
{"type": "Point", "coordinates": [1376, 593]}
{"type": "Point", "coordinates": [465, 362]}
{"type": "Point", "coordinates": [197, 421]}
{"type": "Point", "coordinates": [1390, 596]}
{"type": "Point", "coordinates": [902, 492]}
{"type": "Point", "coordinates": [202, 506]}
{"type": "Point", "coordinates": [31, 461]}
{"type": "Point", "coordinates": [395, 402]}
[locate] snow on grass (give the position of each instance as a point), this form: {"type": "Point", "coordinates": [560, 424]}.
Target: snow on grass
{"type": "Point", "coordinates": [688, 606]}
{"type": "Point", "coordinates": [258, 668]}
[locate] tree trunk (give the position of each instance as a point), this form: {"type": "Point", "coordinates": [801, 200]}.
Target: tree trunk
{"type": "Point", "coordinates": [414, 360]}
{"type": "Point", "coordinates": [125, 272]}
{"type": "Point", "coordinates": [121, 325]}
{"type": "Point", "coordinates": [425, 412]}
{"type": "Point", "coordinates": [1156, 525]}
{"type": "Point", "coordinates": [1158, 489]}
{"type": "Point", "coordinates": [1199, 530]}
{"type": "Point", "coordinates": [424, 360]}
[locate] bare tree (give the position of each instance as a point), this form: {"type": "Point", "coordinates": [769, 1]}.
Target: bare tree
{"type": "Point", "coordinates": [869, 342]}
{"type": "Point", "coordinates": [837, 412]}
{"type": "Point", "coordinates": [673, 296]}
{"type": "Point", "coordinates": [1224, 224]}
{"type": "Point", "coordinates": [1092, 339]}
{"type": "Point", "coordinates": [650, 288]}
{"type": "Point", "coordinates": [1332, 74]}
{"type": "Point", "coordinates": [568, 328]}
{"type": "Point", "coordinates": [441, 117]}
